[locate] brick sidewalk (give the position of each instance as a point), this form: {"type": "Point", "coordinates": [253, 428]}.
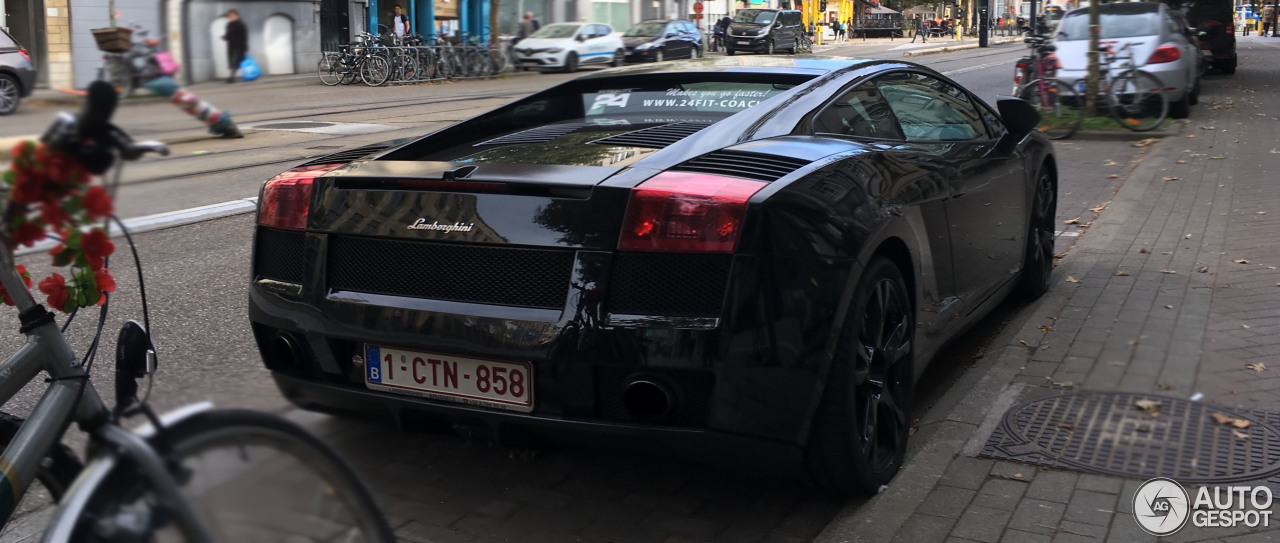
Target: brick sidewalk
{"type": "Point", "coordinates": [1163, 305]}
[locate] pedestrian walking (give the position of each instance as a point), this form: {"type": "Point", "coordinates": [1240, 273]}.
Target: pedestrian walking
{"type": "Point", "coordinates": [237, 38]}
{"type": "Point", "coordinates": [1269, 20]}
{"type": "Point", "coordinates": [400, 22]}
{"type": "Point", "coordinates": [920, 32]}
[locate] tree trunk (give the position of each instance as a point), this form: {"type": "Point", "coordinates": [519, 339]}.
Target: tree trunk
{"type": "Point", "coordinates": [1091, 82]}
{"type": "Point", "coordinates": [493, 23]}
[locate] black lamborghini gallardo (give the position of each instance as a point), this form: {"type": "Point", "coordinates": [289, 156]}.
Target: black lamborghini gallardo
{"type": "Point", "coordinates": [746, 259]}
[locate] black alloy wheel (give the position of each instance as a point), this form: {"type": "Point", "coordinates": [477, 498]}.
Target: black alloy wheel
{"type": "Point", "coordinates": [729, 52]}
{"type": "Point", "coordinates": [658, 55]}
{"type": "Point", "coordinates": [859, 436]}
{"type": "Point", "coordinates": [1037, 263]}
{"type": "Point", "coordinates": [795, 46]}
{"type": "Point", "coordinates": [571, 62]}
{"type": "Point", "coordinates": [9, 94]}
{"type": "Point", "coordinates": [619, 58]}
{"type": "Point", "coordinates": [768, 48]}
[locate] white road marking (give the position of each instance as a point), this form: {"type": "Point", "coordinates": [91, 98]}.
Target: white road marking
{"type": "Point", "coordinates": [159, 221]}
{"type": "Point", "coordinates": [977, 67]}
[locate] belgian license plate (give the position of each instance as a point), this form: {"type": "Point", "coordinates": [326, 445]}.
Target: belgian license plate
{"type": "Point", "coordinates": [744, 42]}
{"type": "Point", "coordinates": [484, 383]}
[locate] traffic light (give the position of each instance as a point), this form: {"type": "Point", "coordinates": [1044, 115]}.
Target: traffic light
{"type": "Point", "coordinates": [822, 5]}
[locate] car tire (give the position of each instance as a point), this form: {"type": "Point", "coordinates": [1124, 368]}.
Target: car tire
{"type": "Point", "coordinates": [1230, 67]}
{"type": "Point", "coordinates": [695, 53]}
{"type": "Point", "coordinates": [859, 434]}
{"type": "Point", "coordinates": [1037, 260]}
{"type": "Point", "coordinates": [1194, 98]}
{"type": "Point", "coordinates": [571, 62]}
{"type": "Point", "coordinates": [795, 46]}
{"type": "Point", "coordinates": [10, 94]}
{"type": "Point", "coordinates": [619, 58]}
{"type": "Point", "coordinates": [729, 52]}
{"type": "Point", "coordinates": [1181, 108]}
{"type": "Point", "coordinates": [768, 48]}
{"type": "Point", "coordinates": [658, 55]}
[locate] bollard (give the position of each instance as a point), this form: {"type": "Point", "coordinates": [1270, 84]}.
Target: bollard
{"type": "Point", "coordinates": [959, 32]}
{"type": "Point", "coordinates": [219, 121]}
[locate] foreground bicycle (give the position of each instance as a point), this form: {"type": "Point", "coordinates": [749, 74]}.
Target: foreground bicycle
{"type": "Point", "coordinates": [196, 474]}
{"type": "Point", "coordinates": [1035, 80]}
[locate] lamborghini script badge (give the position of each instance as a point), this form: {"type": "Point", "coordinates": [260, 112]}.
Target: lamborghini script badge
{"type": "Point", "coordinates": [422, 224]}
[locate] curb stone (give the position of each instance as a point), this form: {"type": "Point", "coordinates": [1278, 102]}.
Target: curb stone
{"type": "Point", "coordinates": [971, 404]}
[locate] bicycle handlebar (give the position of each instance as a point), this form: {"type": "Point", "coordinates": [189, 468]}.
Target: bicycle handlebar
{"type": "Point", "coordinates": [90, 137]}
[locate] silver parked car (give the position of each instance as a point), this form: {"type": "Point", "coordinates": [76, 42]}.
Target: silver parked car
{"type": "Point", "coordinates": [1160, 45]}
{"type": "Point", "coordinates": [17, 75]}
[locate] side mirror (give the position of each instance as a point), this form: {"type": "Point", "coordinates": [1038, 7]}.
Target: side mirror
{"type": "Point", "coordinates": [670, 35]}
{"type": "Point", "coordinates": [580, 37]}
{"type": "Point", "coordinates": [1018, 114]}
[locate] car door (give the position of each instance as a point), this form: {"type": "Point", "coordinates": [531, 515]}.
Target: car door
{"type": "Point", "coordinates": [913, 186]}
{"type": "Point", "coordinates": [986, 205]}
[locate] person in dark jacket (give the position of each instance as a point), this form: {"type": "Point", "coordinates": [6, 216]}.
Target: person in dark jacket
{"type": "Point", "coordinates": [237, 37]}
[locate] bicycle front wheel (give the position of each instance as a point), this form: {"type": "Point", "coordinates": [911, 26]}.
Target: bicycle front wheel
{"type": "Point", "coordinates": [251, 477]}
{"type": "Point", "coordinates": [1138, 101]}
{"type": "Point", "coordinates": [1061, 110]}
{"type": "Point", "coordinates": [330, 69]}
{"type": "Point", "coordinates": [375, 71]}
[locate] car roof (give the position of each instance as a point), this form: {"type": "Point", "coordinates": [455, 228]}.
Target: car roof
{"type": "Point", "coordinates": [764, 64]}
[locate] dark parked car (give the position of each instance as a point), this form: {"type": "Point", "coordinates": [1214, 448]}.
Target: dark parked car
{"type": "Point", "coordinates": [764, 31]}
{"type": "Point", "coordinates": [744, 260]}
{"type": "Point", "coordinates": [661, 39]}
{"type": "Point", "coordinates": [1215, 22]}
{"type": "Point", "coordinates": [17, 75]}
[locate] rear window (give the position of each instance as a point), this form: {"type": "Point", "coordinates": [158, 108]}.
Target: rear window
{"type": "Point", "coordinates": [1118, 21]}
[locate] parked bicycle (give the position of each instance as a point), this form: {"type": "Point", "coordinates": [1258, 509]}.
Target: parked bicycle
{"type": "Point", "coordinates": [355, 61]}
{"type": "Point", "coordinates": [379, 60]}
{"type": "Point", "coordinates": [1133, 97]}
{"type": "Point", "coordinates": [1060, 107]}
{"type": "Point", "coordinates": [143, 60]}
{"type": "Point", "coordinates": [198, 474]}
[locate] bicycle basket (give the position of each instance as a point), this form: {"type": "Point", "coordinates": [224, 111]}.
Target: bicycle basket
{"type": "Point", "coordinates": [113, 40]}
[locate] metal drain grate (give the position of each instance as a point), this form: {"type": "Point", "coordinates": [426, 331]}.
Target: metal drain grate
{"type": "Point", "coordinates": [1107, 433]}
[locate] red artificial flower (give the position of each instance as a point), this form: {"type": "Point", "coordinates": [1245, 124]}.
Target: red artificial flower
{"type": "Point", "coordinates": [97, 203]}
{"type": "Point", "coordinates": [27, 188]}
{"type": "Point", "coordinates": [26, 275]}
{"type": "Point", "coordinates": [56, 287]}
{"type": "Point", "coordinates": [96, 247]}
{"type": "Point", "coordinates": [51, 213]}
{"type": "Point", "coordinates": [28, 233]}
{"type": "Point", "coordinates": [106, 283]}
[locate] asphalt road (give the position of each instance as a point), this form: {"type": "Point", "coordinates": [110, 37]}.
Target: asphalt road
{"type": "Point", "coordinates": [437, 487]}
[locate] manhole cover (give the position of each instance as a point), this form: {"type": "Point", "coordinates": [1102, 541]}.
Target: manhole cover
{"type": "Point", "coordinates": [1108, 433]}
{"type": "Point", "coordinates": [291, 126]}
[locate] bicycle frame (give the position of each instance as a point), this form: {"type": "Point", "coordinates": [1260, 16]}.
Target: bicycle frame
{"type": "Point", "coordinates": [70, 396]}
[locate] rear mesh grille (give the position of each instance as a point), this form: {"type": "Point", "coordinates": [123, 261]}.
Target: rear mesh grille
{"type": "Point", "coordinates": [278, 255]}
{"type": "Point", "coordinates": [343, 157]}
{"type": "Point", "coordinates": [674, 285]}
{"type": "Point", "coordinates": [656, 137]}
{"type": "Point", "coordinates": [446, 271]}
{"type": "Point", "coordinates": [541, 134]}
{"type": "Point", "coordinates": [766, 168]}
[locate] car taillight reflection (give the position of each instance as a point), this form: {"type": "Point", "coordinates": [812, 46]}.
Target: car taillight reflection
{"type": "Point", "coordinates": [286, 198]}
{"type": "Point", "coordinates": [25, 54]}
{"type": "Point", "coordinates": [686, 212]}
{"type": "Point", "coordinates": [1165, 53]}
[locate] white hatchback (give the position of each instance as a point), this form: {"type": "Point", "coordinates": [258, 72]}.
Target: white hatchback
{"type": "Point", "coordinates": [565, 46]}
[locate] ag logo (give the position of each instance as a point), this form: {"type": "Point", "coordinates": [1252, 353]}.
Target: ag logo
{"type": "Point", "coordinates": [1161, 506]}
{"type": "Point", "coordinates": [606, 99]}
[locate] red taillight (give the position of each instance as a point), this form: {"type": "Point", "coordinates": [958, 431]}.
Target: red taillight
{"type": "Point", "coordinates": [286, 198]}
{"type": "Point", "coordinates": [686, 212]}
{"type": "Point", "coordinates": [25, 54]}
{"type": "Point", "coordinates": [1164, 53]}
{"type": "Point", "coordinates": [1053, 58]}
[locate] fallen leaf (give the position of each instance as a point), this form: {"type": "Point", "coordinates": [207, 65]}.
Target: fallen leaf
{"type": "Point", "coordinates": [1113, 176]}
{"type": "Point", "coordinates": [1275, 152]}
{"type": "Point", "coordinates": [1262, 213]}
{"type": "Point", "coordinates": [1150, 407]}
{"type": "Point", "coordinates": [1256, 367]}
{"type": "Point", "coordinates": [1167, 306]}
{"type": "Point", "coordinates": [1240, 261]}
{"type": "Point", "coordinates": [1145, 143]}
{"type": "Point", "coordinates": [1162, 386]}
{"type": "Point", "coordinates": [1023, 342]}
{"type": "Point", "coordinates": [1218, 157]}
{"type": "Point", "coordinates": [1222, 419]}
{"type": "Point", "coordinates": [1207, 128]}
{"type": "Point", "coordinates": [1240, 423]}
{"type": "Point", "coordinates": [1143, 251]}
{"type": "Point", "coordinates": [1045, 329]}
{"type": "Point", "coordinates": [1122, 273]}
{"type": "Point", "coordinates": [1203, 269]}
{"type": "Point", "coordinates": [1239, 434]}
{"type": "Point", "coordinates": [1064, 384]}
{"type": "Point", "coordinates": [1060, 255]}
{"type": "Point", "coordinates": [1098, 209]}
{"type": "Point", "coordinates": [1113, 163]}
{"type": "Point", "coordinates": [1170, 178]}
{"type": "Point", "coordinates": [1182, 162]}
{"type": "Point", "coordinates": [1071, 279]}
{"type": "Point", "coordinates": [1072, 221]}
{"type": "Point", "coordinates": [1191, 135]}
{"type": "Point", "coordinates": [1170, 272]}
{"type": "Point", "coordinates": [1067, 427]}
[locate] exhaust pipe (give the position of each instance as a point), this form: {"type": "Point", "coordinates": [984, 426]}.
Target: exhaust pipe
{"type": "Point", "coordinates": [285, 351]}
{"type": "Point", "coordinates": [648, 400]}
